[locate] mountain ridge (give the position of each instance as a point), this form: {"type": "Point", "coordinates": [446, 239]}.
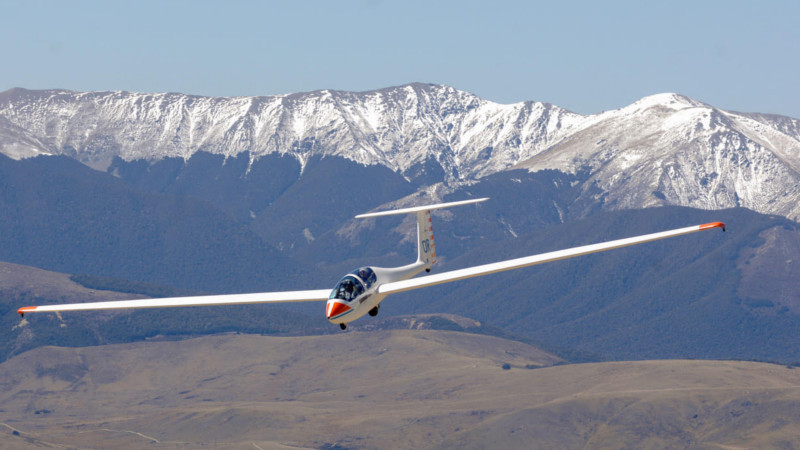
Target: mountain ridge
{"type": "Point", "coordinates": [397, 127]}
{"type": "Point", "coordinates": [686, 152]}
{"type": "Point", "coordinates": [671, 150]}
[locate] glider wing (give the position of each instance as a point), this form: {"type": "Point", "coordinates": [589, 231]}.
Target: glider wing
{"type": "Point", "coordinates": [486, 269]}
{"type": "Point", "coordinates": [205, 300]}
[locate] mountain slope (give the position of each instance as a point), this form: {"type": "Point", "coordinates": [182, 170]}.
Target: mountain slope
{"type": "Point", "coordinates": [61, 215]}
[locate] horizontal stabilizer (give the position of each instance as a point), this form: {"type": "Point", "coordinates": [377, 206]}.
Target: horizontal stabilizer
{"type": "Point", "coordinates": [420, 208]}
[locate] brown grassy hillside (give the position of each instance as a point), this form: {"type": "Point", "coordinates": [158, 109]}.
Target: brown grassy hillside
{"type": "Point", "coordinates": [400, 389]}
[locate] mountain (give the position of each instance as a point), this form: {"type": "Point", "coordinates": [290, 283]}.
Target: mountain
{"type": "Point", "coordinates": [665, 149]}
{"type": "Point", "coordinates": [672, 150]}
{"type": "Point", "coordinates": [216, 216]}
{"type": "Point", "coordinates": [411, 129]}
{"type": "Point", "coordinates": [385, 389]}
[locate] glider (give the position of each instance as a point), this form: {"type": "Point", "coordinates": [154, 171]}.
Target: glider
{"type": "Point", "coordinates": [361, 291]}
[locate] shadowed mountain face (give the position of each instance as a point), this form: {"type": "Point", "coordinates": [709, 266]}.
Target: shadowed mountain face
{"type": "Point", "coordinates": [61, 215]}
{"type": "Point", "coordinates": [421, 389]}
{"type": "Point", "coordinates": [709, 295]}
{"type": "Point", "coordinates": [285, 204]}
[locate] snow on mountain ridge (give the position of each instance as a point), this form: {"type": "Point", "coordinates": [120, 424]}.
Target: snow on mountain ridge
{"type": "Point", "coordinates": [662, 149]}
{"type": "Point", "coordinates": [669, 149]}
{"type": "Point", "coordinates": [397, 127]}
{"type": "Point", "coordinates": [667, 100]}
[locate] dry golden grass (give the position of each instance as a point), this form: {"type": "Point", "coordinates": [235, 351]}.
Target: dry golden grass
{"type": "Point", "coordinates": [387, 389]}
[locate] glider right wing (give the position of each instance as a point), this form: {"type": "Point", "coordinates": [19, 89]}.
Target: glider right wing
{"type": "Point", "coordinates": [486, 269]}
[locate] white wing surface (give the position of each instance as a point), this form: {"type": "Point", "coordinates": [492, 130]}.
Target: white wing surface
{"type": "Point", "coordinates": [486, 269]}
{"type": "Point", "coordinates": [205, 300]}
{"type": "Point", "coordinates": [420, 208]}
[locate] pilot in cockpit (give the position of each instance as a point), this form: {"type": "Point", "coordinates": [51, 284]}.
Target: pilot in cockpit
{"type": "Point", "coordinates": [348, 289]}
{"type": "Point", "coordinates": [367, 275]}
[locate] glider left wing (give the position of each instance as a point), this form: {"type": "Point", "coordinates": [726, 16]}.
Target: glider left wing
{"type": "Point", "coordinates": [204, 300]}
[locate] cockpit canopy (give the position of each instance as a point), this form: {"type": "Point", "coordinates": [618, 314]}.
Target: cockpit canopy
{"type": "Point", "coordinates": [366, 274]}
{"type": "Point", "coordinates": [354, 284]}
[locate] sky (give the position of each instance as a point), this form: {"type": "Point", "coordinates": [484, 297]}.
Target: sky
{"type": "Point", "coordinates": [586, 56]}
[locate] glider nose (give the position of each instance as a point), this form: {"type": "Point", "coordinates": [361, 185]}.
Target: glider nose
{"type": "Point", "coordinates": [336, 310]}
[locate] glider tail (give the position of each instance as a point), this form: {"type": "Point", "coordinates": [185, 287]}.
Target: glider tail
{"type": "Point", "coordinates": [426, 247]}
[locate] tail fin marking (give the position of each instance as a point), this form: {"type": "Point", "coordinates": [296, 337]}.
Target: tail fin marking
{"type": "Point", "coordinates": [426, 246]}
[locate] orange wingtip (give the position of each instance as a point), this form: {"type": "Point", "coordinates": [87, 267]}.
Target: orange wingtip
{"type": "Point", "coordinates": [25, 309]}
{"type": "Point", "coordinates": [707, 226]}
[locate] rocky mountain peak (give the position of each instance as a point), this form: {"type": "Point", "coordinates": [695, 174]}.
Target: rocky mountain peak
{"type": "Point", "coordinates": [662, 149]}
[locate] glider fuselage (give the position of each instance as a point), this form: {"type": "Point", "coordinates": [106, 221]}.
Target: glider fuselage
{"type": "Point", "coordinates": [357, 293]}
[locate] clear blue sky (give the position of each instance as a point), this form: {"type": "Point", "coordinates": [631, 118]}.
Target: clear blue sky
{"type": "Point", "coordinates": [587, 56]}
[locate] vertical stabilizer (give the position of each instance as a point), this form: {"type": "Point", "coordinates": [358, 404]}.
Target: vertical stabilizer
{"type": "Point", "coordinates": [426, 246]}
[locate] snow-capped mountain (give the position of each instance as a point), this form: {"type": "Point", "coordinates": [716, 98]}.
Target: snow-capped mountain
{"type": "Point", "coordinates": [399, 128]}
{"type": "Point", "coordinates": [670, 149]}
{"type": "Point", "coordinates": [663, 149]}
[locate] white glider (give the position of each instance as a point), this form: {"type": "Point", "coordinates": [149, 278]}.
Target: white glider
{"type": "Point", "coordinates": [361, 291]}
